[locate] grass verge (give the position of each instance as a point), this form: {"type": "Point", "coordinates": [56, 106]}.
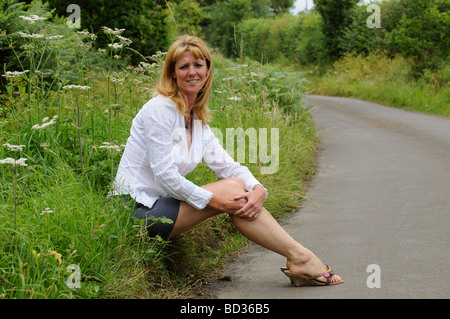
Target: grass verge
{"type": "Point", "coordinates": [378, 78]}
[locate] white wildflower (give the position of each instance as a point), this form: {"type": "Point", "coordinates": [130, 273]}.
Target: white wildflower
{"type": "Point", "coordinates": [34, 35]}
{"type": "Point", "coordinates": [146, 65]}
{"type": "Point", "coordinates": [116, 31]}
{"type": "Point", "coordinates": [54, 37]}
{"type": "Point", "coordinates": [32, 18]}
{"type": "Point", "coordinates": [72, 86]}
{"type": "Point", "coordinates": [14, 148]}
{"type": "Point", "coordinates": [232, 78]}
{"type": "Point", "coordinates": [116, 80]}
{"type": "Point", "coordinates": [91, 36]}
{"type": "Point", "coordinates": [47, 211]}
{"type": "Point", "coordinates": [110, 146]}
{"type": "Point", "coordinates": [116, 46]}
{"type": "Point", "coordinates": [123, 40]}
{"type": "Point", "coordinates": [234, 98]}
{"type": "Point", "coordinates": [45, 123]}
{"type": "Point", "coordinates": [13, 162]}
{"type": "Point", "coordinates": [14, 74]}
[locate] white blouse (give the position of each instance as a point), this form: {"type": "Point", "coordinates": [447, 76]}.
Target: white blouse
{"type": "Point", "coordinates": [156, 157]}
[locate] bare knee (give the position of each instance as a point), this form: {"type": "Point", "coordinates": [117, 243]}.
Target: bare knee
{"type": "Point", "coordinates": [226, 187]}
{"type": "Point", "coordinates": [235, 184]}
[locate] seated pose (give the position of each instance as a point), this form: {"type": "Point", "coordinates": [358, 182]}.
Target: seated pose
{"type": "Point", "coordinates": [169, 137]}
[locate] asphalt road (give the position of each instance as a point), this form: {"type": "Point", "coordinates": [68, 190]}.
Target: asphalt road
{"type": "Point", "coordinates": [377, 211]}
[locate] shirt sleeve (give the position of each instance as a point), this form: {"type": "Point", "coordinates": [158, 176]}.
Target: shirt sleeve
{"type": "Point", "coordinates": [218, 159]}
{"type": "Point", "coordinates": [159, 126]}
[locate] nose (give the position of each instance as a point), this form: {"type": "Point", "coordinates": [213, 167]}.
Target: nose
{"type": "Point", "coordinates": [191, 70]}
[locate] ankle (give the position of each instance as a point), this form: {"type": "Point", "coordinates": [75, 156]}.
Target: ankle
{"type": "Point", "coordinates": [301, 256]}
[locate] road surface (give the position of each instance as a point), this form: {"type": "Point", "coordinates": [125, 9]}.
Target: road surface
{"type": "Point", "coordinates": [377, 211]}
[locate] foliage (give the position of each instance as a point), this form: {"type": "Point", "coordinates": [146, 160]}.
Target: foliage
{"type": "Point", "coordinates": [285, 40]}
{"type": "Point", "coordinates": [144, 20]}
{"type": "Point", "coordinates": [336, 17]}
{"type": "Point", "coordinates": [24, 43]}
{"type": "Point", "coordinates": [185, 17]}
{"type": "Point", "coordinates": [380, 78]}
{"type": "Point", "coordinates": [222, 17]}
{"type": "Point", "coordinates": [357, 38]}
{"type": "Point", "coordinates": [423, 32]}
{"type": "Point", "coordinates": [281, 6]}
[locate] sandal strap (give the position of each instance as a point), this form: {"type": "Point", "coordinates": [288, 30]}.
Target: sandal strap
{"type": "Point", "coordinates": [328, 275]}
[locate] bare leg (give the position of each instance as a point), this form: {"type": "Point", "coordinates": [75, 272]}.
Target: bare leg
{"type": "Point", "coordinates": [188, 216]}
{"type": "Point", "coordinates": [264, 231]}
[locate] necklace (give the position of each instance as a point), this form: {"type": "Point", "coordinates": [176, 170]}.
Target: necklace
{"type": "Point", "coordinates": [188, 123]}
{"type": "Point", "coordinates": [187, 127]}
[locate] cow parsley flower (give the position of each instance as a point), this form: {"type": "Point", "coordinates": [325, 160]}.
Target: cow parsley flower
{"type": "Point", "coordinates": [54, 37]}
{"type": "Point", "coordinates": [32, 18]}
{"type": "Point", "coordinates": [14, 148]}
{"type": "Point", "coordinates": [34, 35]}
{"type": "Point", "coordinates": [13, 162]}
{"type": "Point", "coordinates": [14, 74]}
{"type": "Point", "coordinates": [80, 87]}
{"type": "Point", "coordinates": [91, 36]}
{"type": "Point", "coordinates": [47, 211]}
{"type": "Point", "coordinates": [45, 123]}
{"type": "Point", "coordinates": [116, 31]}
{"type": "Point", "coordinates": [116, 46]}
{"type": "Point", "coordinates": [110, 146]}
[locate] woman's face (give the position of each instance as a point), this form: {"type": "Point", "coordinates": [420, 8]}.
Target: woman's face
{"type": "Point", "coordinates": [190, 73]}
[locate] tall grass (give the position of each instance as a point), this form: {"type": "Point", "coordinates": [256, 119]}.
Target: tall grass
{"type": "Point", "coordinates": [386, 80]}
{"type": "Point", "coordinates": [70, 120]}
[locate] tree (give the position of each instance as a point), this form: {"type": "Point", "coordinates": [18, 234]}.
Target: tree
{"type": "Point", "coordinates": [422, 32]}
{"type": "Point", "coordinates": [279, 6]}
{"type": "Point", "coordinates": [222, 17]}
{"type": "Point", "coordinates": [336, 16]}
{"type": "Point", "coordinates": [145, 21]}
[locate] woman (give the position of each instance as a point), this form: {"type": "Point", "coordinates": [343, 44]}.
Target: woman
{"type": "Point", "coordinates": [168, 138]}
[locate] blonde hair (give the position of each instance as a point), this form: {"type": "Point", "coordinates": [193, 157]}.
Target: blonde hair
{"type": "Point", "coordinates": [167, 85]}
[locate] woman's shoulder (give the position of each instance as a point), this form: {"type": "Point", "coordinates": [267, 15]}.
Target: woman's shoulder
{"type": "Point", "coordinates": [159, 106]}
{"type": "Point", "coordinates": [160, 101]}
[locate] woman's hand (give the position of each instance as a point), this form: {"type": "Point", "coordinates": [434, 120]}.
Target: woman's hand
{"type": "Point", "coordinates": [254, 203]}
{"type": "Point", "coordinates": [228, 205]}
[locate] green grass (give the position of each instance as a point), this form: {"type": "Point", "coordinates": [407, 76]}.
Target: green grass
{"type": "Point", "coordinates": [380, 79]}
{"type": "Point", "coordinates": [55, 211]}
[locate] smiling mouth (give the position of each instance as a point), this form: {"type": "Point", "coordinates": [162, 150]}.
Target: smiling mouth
{"type": "Point", "coordinates": [193, 81]}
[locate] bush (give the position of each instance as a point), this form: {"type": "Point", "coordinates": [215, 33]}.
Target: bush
{"type": "Point", "coordinates": [286, 39]}
{"type": "Point", "coordinates": [144, 20]}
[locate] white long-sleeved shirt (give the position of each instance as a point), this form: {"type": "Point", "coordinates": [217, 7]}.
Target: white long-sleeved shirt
{"type": "Point", "coordinates": [156, 157]}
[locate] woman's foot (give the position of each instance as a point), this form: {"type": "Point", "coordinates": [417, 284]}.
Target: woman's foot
{"type": "Point", "coordinates": [310, 265]}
